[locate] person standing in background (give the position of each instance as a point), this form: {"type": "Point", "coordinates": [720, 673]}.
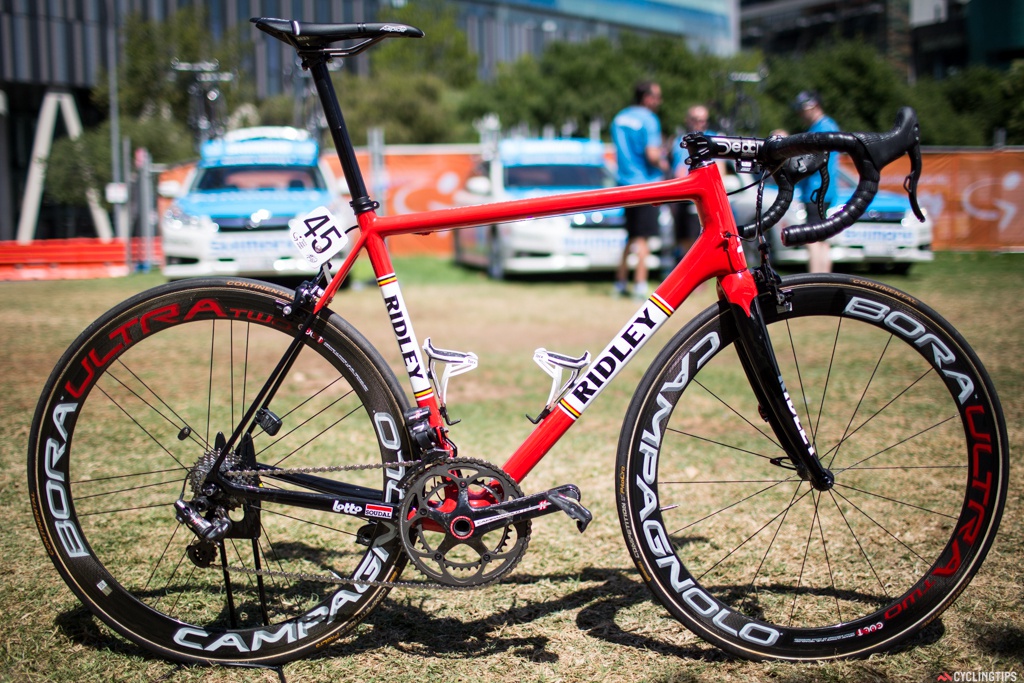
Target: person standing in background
{"type": "Point", "coordinates": [808, 105]}
{"type": "Point", "coordinates": [636, 133]}
{"type": "Point", "coordinates": [684, 214]}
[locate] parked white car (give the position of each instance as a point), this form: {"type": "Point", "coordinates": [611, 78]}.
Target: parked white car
{"type": "Point", "coordinates": [233, 213]}
{"type": "Point", "coordinates": [572, 243]}
{"type": "Point", "coordinates": [887, 238]}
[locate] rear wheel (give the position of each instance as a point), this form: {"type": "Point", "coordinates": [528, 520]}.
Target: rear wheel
{"type": "Point", "coordinates": [749, 556]}
{"type": "Point", "coordinates": [131, 420]}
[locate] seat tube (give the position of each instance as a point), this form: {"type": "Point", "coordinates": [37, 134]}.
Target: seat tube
{"type": "Point", "coordinates": [317, 64]}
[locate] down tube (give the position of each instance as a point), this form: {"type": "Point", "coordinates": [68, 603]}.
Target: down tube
{"type": "Point", "coordinates": [630, 339]}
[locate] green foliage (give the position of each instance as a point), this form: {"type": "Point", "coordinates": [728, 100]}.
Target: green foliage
{"type": "Point", "coordinates": [858, 87]}
{"type": "Point", "coordinates": [77, 165]}
{"type": "Point", "coordinates": [582, 82]}
{"type": "Point", "coordinates": [417, 84]}
{"type": "Point", "coordinates": [426, 90]}
{"type": "Point", "coordinates": [147, 82]}
{"type": "Point", "coordinates": [443, 51]}
{"type": "Point", "coordinates": [411, 107]}
{"type": "Point", "coordinates": [1013, 96]}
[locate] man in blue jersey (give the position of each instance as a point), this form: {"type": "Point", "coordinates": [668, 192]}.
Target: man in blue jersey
{"type": "Point", "coordinates": [808, 105]}
{"type": "Point", "coordinates": [684, 214]}
{"type": "Point", "coordinates": [636, 132]}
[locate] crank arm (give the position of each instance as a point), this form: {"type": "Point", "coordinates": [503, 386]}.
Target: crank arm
{"type": "Point", "coordinates": [565, 498]}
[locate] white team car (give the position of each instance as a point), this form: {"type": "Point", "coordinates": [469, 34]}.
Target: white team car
{"type": "Point", "coordinates": [232, 215]}
{"type": "Point", "coordinates": [581, 242]}
{"type": "Point", "coordinates": [888, 237]}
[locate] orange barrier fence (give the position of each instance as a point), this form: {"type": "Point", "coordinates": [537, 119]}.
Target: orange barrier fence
{"type": "Point", "coordinates": [77, 258]}
{"type": "Point", "coordinates": [976, 198]}
{"type": "Point", "coordinates": [418, 178]}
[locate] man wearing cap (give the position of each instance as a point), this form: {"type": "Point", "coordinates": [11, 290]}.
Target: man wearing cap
{"type": "Point", "coordinates": [808, 105]}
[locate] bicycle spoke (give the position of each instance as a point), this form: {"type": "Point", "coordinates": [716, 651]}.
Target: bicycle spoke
{"type": "Point", "coordinates": [860, 546]}
{"type": "Point", "coordinates": [735, 412]}
{"type": "Point", "coordinates": [742, 543]}
{"type": "Point", "coordinates": [718, 443]}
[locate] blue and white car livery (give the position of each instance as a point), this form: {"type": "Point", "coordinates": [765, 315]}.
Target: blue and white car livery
{"type": "Point", "coordinates": [232, 216]}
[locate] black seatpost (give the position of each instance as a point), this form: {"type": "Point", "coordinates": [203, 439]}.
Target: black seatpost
{"type": "Point", "coordinates": [317, 64]}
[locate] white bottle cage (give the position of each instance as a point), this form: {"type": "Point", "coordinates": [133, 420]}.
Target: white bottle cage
{"type": "Point", "coordinates": [553, 364]}
{"type": "Point", "coordinates": [456, 363]}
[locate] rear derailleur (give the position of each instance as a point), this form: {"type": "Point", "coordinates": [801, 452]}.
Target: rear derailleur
{"type": "Point", "coordinates": [207, 513]}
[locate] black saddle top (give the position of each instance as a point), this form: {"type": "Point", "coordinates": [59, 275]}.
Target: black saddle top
{"type": "Point", "coordinates": [308, 36]}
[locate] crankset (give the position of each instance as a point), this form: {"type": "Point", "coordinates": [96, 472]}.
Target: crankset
{"type": "Point", "coordinates": [466, 522]}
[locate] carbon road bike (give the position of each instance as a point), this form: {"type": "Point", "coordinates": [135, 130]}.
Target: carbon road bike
{"type": "Point", "coordinates": [225, 470]}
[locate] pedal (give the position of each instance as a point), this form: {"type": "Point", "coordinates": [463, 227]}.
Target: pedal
{"type": "Point", "coordinates": [455, 363]}
{"type": "Point", "coordinates": [571, 505]}
{"type": "Point", "coordinates": [554, 364]}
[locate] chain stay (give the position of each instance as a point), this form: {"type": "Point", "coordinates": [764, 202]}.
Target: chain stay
{"type": "Point", "coordinates": [327, 578]}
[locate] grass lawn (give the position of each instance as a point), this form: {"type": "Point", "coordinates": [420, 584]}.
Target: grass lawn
{"type": "Point", "coordinates": [575, 609]}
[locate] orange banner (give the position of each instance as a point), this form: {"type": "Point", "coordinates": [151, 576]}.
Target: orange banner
{"type": "Point", "coordinates": [417, 179]}
{"type": "Point", "coordinates": [975, 198]}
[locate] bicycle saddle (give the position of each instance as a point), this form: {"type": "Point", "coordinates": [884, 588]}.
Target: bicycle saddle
{"type": "Point", "coordinates": [309, 36]}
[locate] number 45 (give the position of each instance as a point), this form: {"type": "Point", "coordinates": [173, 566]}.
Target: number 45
{"type": "Point", "coordinates": [318, 237]}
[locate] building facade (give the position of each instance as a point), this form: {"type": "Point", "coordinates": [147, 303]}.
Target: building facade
{"type": "Point", "coordinates": [929, 38]}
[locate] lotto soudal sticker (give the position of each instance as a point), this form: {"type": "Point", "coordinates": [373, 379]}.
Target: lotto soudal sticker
{"type": "Point", "coordinates": [318, 236]}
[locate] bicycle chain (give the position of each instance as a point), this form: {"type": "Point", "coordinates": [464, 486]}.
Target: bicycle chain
{"type": "Point", "coordinates": [298, 576]}
{"type": "Point", "coordinates": [324, 468]}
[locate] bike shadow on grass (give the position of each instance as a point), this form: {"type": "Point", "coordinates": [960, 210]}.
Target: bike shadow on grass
{"type": "Point", "coordinates": [404, 624]}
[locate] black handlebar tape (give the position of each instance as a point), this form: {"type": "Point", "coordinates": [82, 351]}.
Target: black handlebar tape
{"type": "Point", "coordinates": [792, 171]}
{"type": "Point", "coordinates": [870, 152]}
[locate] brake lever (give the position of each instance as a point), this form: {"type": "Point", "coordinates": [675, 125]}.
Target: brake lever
{"type": "Point", "coordinates": [910, 182]}
{"type": "Point", "coordinates": [818, 196]}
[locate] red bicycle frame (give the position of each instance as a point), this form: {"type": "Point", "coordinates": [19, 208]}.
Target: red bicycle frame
{"type": "Point", "coordinates": [717, 253]}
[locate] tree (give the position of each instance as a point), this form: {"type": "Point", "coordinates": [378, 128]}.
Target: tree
{"type": "Point", "coordinates": [149, 86]}
{"type": "Point", "coordinates": [411, 108]}
{"type": "Point", "coordinates": [154, 101]}
{"type": "Point", "coordinates": [417, 84]}
{"type": "Point", "coordinates": [1013, 95]}
{"type": "Point", "coordinates": [443, 51]}
{"type": "Point", "coordinates": [77, 165]}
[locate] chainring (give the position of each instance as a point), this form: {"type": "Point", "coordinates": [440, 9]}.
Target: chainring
{"type": "Point", "coordinates": [436, 524]}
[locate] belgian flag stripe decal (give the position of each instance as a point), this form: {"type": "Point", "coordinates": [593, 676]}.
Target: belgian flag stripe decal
{"type": "Point", "coordinates": [572, 412]}
{"type": "Point", "coordinates": [660, 303]}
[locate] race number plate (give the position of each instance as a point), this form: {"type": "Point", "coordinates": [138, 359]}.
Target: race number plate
{"type": "Point", "coordinates": [318, 236]}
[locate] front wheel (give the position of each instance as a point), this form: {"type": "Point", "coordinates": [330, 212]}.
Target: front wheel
{"type": "Point", "coordinates": [133, 418]}
{"type": "Point", "coordinates": [752, 558]}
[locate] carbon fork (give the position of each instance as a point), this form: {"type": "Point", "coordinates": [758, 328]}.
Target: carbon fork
{"type": "Point", "coordinates": [757, 356]}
